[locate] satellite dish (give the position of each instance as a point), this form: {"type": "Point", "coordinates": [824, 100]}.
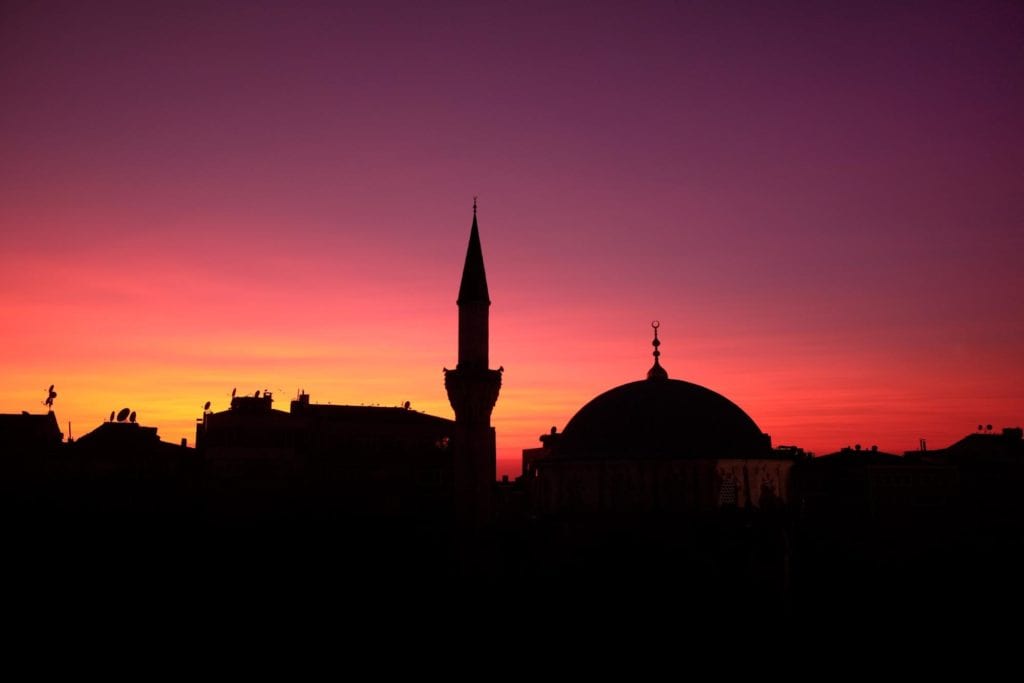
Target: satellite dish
{"type": "Point", "coordinates": [207, 406]}
{"type": "Point", "coordinates": [131, 418]}
{"type": "Point", "coordinates": [407, 405]}
{"type": "Point", "coordinates": [233, 392]}
{"type": "Point", "coordinates": [111, 415]}
{"type": "Point", "coordinates": [257, 393]}
{"type": "Point", "coordinates": [123, 415]}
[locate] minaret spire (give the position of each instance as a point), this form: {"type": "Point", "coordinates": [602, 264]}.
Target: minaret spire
{"type": "Point", "coordinates": [474, 301]}
{"type": "Point", "coordinates": [473, 288]}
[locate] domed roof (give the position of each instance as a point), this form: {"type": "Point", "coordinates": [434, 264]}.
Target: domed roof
{"type": "Point", "coordinates": [661, 418]}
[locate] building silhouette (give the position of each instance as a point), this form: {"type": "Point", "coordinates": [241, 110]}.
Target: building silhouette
{"type": "Point", "coordinates": [325, 461]}
{"type": "Point", "coordinates": [26, 433]}
{"type": "Point", "coordinates": [990, 466]}
{"type": "Point", "coordinates": [657, 445]}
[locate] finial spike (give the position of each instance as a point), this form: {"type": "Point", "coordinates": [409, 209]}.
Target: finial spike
{"type": "Point", "coordinates": [656, 371]}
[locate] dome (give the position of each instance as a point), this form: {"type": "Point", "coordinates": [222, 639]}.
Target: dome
{"type": "Point", "coordinates": [664, 419]}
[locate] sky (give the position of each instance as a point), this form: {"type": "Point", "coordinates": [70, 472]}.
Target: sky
{"type": "Point", "coordinates": [822, 203]}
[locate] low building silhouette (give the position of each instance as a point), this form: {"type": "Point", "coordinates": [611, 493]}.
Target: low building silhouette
{"type": "Point", "coordinates": [991, 470]}
{"type": "Point", "coordinates": [326, 460]}
{"type": "Point", "coordinates": [114, 495]}
{"type": "Point", "coordinates": [27, 443]}
{"type": "Point", "coordinates": [856, 486]}
{"type": "Point", "coordinates": [930, 530]}
{"type": "Point", "coordinates": [28, 433]}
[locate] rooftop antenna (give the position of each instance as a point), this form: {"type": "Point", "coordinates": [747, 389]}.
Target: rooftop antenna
{"type": "Point", "coordinates": [50, 395]}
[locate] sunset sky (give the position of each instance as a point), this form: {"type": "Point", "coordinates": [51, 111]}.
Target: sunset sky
{"type": "Point", "coordinates": [823, 204]}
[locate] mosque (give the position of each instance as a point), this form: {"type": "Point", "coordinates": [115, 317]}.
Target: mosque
{"type": "Point", "coordinates": [657, 445]}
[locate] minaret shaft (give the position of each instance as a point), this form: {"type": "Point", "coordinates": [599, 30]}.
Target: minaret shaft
{"type": "Point", "coordinates": [473, 335]}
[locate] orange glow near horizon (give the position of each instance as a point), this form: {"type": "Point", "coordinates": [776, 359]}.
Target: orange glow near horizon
{"type": "Point", "coordinates": [163, 340]}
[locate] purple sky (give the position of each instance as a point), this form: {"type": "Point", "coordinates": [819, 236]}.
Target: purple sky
{"type": "Point", "coordinates": [822, 202]}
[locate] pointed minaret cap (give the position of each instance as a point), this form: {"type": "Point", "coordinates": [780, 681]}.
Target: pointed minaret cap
{"type": "Point", "coordinates": [473, 288]}
{"type": "Point", "coordinates": [656, 371]}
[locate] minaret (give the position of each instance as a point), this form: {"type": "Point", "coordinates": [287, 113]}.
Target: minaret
{"type": "Point", "coordinates": [473, 390]}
